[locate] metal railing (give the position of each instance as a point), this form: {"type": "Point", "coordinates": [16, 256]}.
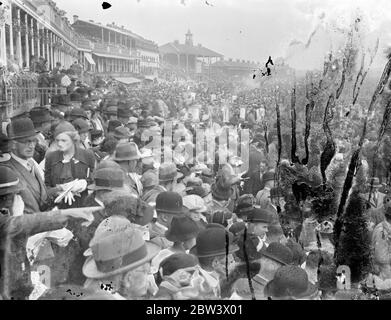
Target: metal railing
{"type": "Point", "coordinates": [22, 100]}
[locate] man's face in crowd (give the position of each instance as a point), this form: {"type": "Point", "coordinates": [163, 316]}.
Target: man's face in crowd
{"type": "Point", "coordinates": [24, 148]}
{"type": "Point", "coordinates": [220, 267]}
{"type": "Point", "coordinates": [165, 219]}
{"type": "Point", "coordinates": [260, 229]}
{"type": "Point", "coordinates": [7, 201]}
{"type": "Point", "coordinates": [97, 141]}
{"type": "Point", "coordinates": [124, 121]}
{"type": "Point", "coordinates": [89, 114]}
{"type": "Point", "coordinates": [135, 282]}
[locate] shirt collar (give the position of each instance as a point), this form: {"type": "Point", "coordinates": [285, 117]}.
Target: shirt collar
{"type": "Point", "coordinates": [23, 162]}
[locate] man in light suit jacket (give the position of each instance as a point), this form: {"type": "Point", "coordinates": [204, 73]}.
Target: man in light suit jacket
{"type": "Point", "coordinates": [23, 138]}
{"type": "Point", "coordinates": [377, 198]}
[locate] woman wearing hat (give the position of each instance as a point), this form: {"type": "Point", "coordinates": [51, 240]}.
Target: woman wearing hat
{"type": "Point", "coordinates": [67, 164]}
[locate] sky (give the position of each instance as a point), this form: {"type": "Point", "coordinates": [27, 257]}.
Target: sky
{"type": "Point", "coordinates": [246, 29]}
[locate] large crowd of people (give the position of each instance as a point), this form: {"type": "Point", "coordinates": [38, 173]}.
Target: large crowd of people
{"type": "Point", "coordinates": [109, 192]}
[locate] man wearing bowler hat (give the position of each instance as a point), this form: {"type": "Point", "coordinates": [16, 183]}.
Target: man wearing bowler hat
{"type": "Point", "coordinates": [123, 115]}
{"type": "Point", "coordinates": [258, 223]}
{"type": "Point", "coordinates": [167, 206]}
{"type": "Point", "coordinates": [214, 249]}
{"type": "Point", "coordinates": [23, 138]}
{"type": "Point", "coordinates": [42, 121]}
{"type": "Point", "coordinates": [271, 259]}
{"type": "Point", "coordinates": [182, 232]}
{"type": "Point", "coordinates": [61, 103]}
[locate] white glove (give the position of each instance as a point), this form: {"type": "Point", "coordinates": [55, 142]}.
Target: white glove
{"type": "Point", "coordinates": [65, 186]}
{"type": "Point", "coordinates": [69, 198]}
{"type": "Point", "coordinates": [79, 186]}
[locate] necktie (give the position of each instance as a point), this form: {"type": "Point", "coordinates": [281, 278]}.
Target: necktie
{"type": "Point", "coordinates": [30, 166]}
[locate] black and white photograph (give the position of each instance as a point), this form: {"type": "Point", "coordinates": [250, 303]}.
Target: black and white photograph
{"type": "Point", "coordinates": [214, 151]}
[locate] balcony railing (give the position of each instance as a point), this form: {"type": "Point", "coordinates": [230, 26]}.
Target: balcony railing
{"type": "Point", "coordinates": [64, 30]}
{"type": "Point", "coordinates": [112, 50]}
{"type": "Point", "coordinates": [21, 100]}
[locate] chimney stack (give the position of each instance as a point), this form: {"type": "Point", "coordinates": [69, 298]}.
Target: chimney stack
{"type": "Point", "coordinates": [75, 18]}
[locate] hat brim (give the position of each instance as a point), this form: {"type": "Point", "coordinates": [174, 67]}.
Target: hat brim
{"type": "Point", "coordinates": [184, 210]}
{"type": "Point", "coordinates": [47, 118]}
{"type": "Point", "coordinates": [176, 238]}
{"type": "Point", "coordinates": [128, 158]}
{"type": "Point", "coordinates": [271, 257]}
{"type": "Point", "coordinates": [11, 190]}
{"type": "Point", "coordinates": [90, 269]}
{"type": "Point", "coordinates": [26, 135]}
{"type": "Point", "coordinates": [271, 289]}
{"type": "Point", "coordinates": [232, 249]}
{"type": "Point", "coordinates": [95, 187]}
{"type": "Point", "coordinates": [177, 176]}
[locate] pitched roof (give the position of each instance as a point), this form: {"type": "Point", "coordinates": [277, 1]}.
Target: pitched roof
{"type": "Point", "coordinates": [179, 48]}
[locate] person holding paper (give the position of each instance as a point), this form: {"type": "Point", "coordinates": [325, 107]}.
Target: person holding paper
{"type": "Point", "coordinates": [15, 281]}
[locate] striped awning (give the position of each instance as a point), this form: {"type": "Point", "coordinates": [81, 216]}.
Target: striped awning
{"type": "Point", "coordinates": [89, 58]}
